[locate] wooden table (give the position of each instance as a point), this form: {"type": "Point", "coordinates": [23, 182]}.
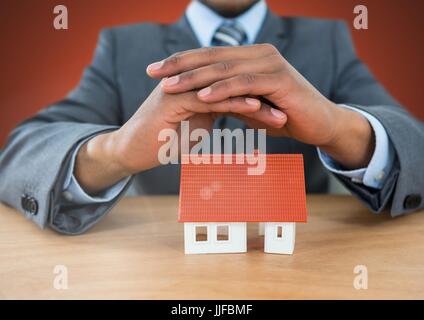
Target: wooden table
{"type": "Point", "coordinates": [137, 252]}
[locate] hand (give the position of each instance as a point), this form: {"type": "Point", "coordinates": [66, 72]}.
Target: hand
{"type": "Point", "coordinates": [260, 71]}
{"type": "Point", "coordinates": [109, 157]}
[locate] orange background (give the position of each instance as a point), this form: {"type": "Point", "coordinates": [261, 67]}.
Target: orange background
{"type": "Point", "coordinates": [39, 65]}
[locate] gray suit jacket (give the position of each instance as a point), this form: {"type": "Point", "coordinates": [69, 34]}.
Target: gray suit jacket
{"type": "Point", "coordinates": [36, 158]}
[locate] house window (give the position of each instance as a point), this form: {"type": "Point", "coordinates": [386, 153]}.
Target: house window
{"type": "Point", "coordinates": [279, 232]}
{"type": "Point", "coordinates": [222, 233]}
{"type": "Point", "coordinates": [201, 233]}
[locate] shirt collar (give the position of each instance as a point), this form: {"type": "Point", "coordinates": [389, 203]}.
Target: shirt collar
{"type": "Point", "coordinates": [205, 21]}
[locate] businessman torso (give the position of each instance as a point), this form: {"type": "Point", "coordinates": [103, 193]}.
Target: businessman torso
{"type": "Point", "coordinates": [308, 44]}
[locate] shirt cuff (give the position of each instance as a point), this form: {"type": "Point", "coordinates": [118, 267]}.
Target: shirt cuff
{"type": "Point", "coordinates": [73, 193]}
{"type": "Point", "coordinates": [381, 162]}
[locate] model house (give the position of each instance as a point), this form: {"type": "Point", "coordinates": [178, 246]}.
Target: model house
{"type": "Point", "coordinates": [218, 200]}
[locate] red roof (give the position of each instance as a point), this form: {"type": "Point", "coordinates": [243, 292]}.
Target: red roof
{"type": "Point", "coordinates": [226, 193]}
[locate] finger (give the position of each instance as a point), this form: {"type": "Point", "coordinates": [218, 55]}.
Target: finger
{"type": "Point", "coordinates": [241, 85]}
{"type": "Point", "coordinates": [255, 124]}
{"type": "Point", "coordinates": [193, 59]}
{"type": "Point", "coordinates": [268, 116]}
{"type": "Point", "coordinates": [231, 105]}
{"type": "Point", "coordinates": [207, 75]}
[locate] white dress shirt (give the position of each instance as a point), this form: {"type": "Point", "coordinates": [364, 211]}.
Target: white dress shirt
{"type": "Point", "coordinates": [204, 23]}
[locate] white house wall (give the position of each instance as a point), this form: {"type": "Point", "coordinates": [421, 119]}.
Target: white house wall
{"type": "Point", "coordinates": [236, 243]}
{"type": "Point", "coordinates": [283, 245]}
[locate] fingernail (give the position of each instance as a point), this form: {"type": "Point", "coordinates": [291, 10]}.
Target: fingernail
{"type": "Point", "coordinates": [171, 81]}
{"type": "Point", "coordinates": [204, 92]}
{"type": "Point", "coordinates": [155, 66]}
{"type": "Point", "coordinates": [252, 102]}
{"type": "Point", "coordinates": [277, 113]}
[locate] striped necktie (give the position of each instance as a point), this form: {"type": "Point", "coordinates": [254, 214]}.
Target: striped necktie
{"type": "Point", "coordinates": [229, 34]}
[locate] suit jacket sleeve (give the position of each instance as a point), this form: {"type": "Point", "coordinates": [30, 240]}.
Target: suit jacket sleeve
{"type": "Point", "coordinates": [34, 162]}
{"type": "Point", "coordinates": [403, 189]}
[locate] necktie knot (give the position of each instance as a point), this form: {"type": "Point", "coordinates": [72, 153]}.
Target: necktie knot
{"type": "Point", "coordinates": [229, 34]}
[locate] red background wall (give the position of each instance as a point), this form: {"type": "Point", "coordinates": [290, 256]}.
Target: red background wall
{"type": "Point", "coordinates": [39, 65]}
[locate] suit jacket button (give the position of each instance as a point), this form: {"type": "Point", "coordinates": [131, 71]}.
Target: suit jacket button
{"type": "Point", "coordinates": [412, 201]}
{"type": "Point", "coordinates": [33, 206]}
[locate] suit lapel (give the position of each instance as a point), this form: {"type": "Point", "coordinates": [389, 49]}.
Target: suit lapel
{"type": "Point", "coordinates": [274, 31]}
{"type": "Point", "coordinates": [180, 37]}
